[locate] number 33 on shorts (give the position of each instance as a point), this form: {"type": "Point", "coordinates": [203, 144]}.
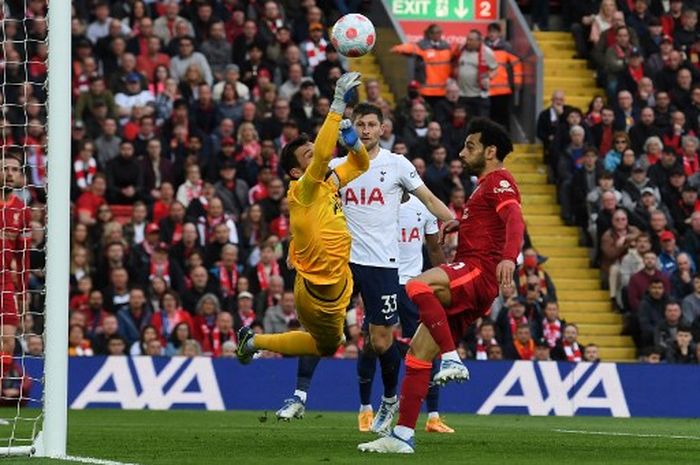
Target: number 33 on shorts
{"type": "Point", "coordinates": [390, 306]}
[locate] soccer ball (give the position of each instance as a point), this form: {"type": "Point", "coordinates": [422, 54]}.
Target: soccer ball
{"type": "Point", "coordinates": [353, 35]}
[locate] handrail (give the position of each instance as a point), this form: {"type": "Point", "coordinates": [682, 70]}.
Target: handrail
{"type": "Point", "coordinates": [530, 100]}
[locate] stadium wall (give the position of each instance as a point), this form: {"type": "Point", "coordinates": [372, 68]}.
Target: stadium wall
{"type": "Point", "coordinates": [549, 388]}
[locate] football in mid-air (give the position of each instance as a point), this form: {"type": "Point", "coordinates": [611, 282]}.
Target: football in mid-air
{"type": "Point", "coordinates": [353, 35]}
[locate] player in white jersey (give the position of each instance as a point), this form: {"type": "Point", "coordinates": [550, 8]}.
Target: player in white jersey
{"type": "Point", "coordinates": [371, 206]}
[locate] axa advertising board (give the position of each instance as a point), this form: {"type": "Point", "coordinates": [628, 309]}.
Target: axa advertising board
{"type": "Point", "coordinates": [546, 388]}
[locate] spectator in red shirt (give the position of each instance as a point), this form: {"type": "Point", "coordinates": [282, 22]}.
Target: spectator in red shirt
{"type": "Point", "coordinates": [79, 301]}
{"type": "Point", "coordinates": [151, 58]}
{"type": "Point", "coordinates": [90, 200]}
{"type": "Point", "coordinates": [280, 225]}
{"type": "Point", "coordinates": [640, 281]}
{"type": "Point", "coordinates": [165, 196]}
{"type": "Point", "coordinates": [259, 190]}
{"type": "Point", "coordinates": [170, 315]}
{"type": "Point", "coordinates": [221, 333]}
{"type": "Point", "coordinates": [689, 155]}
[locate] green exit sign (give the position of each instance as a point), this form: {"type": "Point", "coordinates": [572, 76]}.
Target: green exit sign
{"type": "Point", "coordinates": [433, 10]}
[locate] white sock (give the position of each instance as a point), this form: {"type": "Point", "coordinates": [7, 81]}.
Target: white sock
{"type": "Point", "coordinates": [250, 344]}
{"type": "Point", "coordinates": [390, 400]}
{"type": "Point", "coordinates": [366, 408]}
{"type": "Point", "coordinates": [300, 394]}
{"type": "Point", "coordinates": [433, 415]}
{"type": "Point", "coordinates": [403, 432]}
{"type": "Point", "coordinates": [452, 355]}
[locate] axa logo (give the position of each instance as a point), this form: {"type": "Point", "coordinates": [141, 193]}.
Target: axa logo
{"type": "Point", "coordinates": [363, 196]}
{"type": "Point", "coordinates": [137, 385]}
{"type": "Point", "coordinates": [586, 386]}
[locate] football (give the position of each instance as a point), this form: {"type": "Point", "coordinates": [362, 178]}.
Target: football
{"type": "Point", "coordinates": [353, 35]}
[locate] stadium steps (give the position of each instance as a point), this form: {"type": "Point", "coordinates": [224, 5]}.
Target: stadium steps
{"type": "Point", "coordinates": [578, 285]}
{"type": "Point", "coordinates": [369, 67]}
{"type": "Point", "coordinates": [563, 71]}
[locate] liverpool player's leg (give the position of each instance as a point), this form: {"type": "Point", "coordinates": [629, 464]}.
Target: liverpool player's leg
{"type": "Point", "coordinates": [408, 314]}
{"type": "Point", "coordinates": [432, 293]}
{"type": "Point", "coordinates": [414, 388]}
{"type": "Point", "coordinates": [9, 321]}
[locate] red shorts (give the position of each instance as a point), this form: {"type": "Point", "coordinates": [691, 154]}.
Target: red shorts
{"type": "Point", "coordinates": [472, 295]}
{"type": "Point", "coordinates": [8, 309]}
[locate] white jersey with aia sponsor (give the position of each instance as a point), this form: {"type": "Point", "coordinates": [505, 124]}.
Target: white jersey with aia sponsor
{"type": "Point", "coordinates": [371, 205]}
{"type": "Point", "coordinates": [415, 221]}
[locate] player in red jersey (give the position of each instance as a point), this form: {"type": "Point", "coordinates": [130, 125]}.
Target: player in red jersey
{"type": "Point", "coordinates": [14, 227]}
{"type": "Point", "coordinates": [451, 297]}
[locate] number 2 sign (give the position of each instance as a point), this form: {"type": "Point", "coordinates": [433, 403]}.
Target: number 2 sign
{"type": "Point", "coordinates": [486, 9]}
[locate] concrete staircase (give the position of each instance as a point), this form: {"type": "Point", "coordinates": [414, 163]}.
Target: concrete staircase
{"type": "Point", "coordinates": [562, 71]}
{"type": "Point", "coordinates": [369, 67]}
{"type": "Point", "coordinates": [578, 289]}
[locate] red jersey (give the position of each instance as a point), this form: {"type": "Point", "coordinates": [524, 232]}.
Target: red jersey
{"type": "Point", "coordinates": [90, 203]}
{"type": "Point", "coordinates": [15, 219]}
{"type": "Point", "coordinates": [488, 231]}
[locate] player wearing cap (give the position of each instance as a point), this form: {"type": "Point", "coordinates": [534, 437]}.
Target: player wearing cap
{"type": "Point", "coordinates": [320, 245]}
{"type": "Point", "coordinates": [451, 297]}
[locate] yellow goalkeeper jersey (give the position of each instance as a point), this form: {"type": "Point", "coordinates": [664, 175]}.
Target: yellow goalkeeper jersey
{"type": "Point", "coordinates": [320, 245]}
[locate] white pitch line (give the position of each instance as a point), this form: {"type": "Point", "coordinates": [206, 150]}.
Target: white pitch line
{"type": "Point", "coordinates": [635, 435]}
{"type": "Point", "coordinates": [91, 460]}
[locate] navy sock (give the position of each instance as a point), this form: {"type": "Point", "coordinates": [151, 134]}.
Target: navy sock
{"type": "Point", "coordinates": [366, 367]}
{"type": "Point", "coordinates": [390, 362]}
{"type": "Point", "coordinates": [431, 400]}
{"type": "Point", "coordinates": [305, 371]}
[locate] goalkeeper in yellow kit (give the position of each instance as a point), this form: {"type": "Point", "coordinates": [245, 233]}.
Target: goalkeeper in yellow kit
{"type": "Point", "coordinates": [320, 245]}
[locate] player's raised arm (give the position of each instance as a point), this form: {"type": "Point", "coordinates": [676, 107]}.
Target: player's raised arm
{"type": "Point", "coordinates": [358, 158]}
{"type": "Point", "coordinates": [324, 145]}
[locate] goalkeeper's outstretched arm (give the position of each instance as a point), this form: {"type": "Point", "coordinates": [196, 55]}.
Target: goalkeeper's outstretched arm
{"type": "Point", "coordinates": [324, 145]}
{"type": "Point", "coordinates": [358, 157]}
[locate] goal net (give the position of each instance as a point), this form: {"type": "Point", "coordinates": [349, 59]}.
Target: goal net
{"type": "Point", "coordinates": [33, 282]}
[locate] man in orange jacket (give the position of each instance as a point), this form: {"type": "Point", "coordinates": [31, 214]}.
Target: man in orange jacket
{"type": "Point", "coordinates": [433, 62]}
{"type": "Point", "coordinates": [508, 77]}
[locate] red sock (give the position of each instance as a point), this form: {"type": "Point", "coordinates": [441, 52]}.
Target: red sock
{"type": "Point", "coordinates": [432, 315]}
{"type": "Point", "coordinates": [413, 390]}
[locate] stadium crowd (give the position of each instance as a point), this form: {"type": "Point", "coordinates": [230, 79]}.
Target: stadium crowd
{"type": "Point", "coordinates": [180, 111]}
{"type": "Point", "coordinates": [627, 166]}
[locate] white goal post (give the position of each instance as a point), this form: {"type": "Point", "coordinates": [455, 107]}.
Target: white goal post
{"type": "Point", "coordinates": [50, 435]}
{"type": "Point", "coordinates": [53, 438]}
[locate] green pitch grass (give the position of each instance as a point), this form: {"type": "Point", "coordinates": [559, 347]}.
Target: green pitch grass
{"type": "Point", "coordinates": [212, 438]}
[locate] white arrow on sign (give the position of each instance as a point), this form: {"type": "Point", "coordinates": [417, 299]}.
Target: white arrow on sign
{"type": "Point", "coordinates": [461, 10]}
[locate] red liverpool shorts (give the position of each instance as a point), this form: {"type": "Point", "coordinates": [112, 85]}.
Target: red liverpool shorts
{"type": "Point", "coordinates": [472, 296]}
{"type": "Point", "coordinates": [8, 309]}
